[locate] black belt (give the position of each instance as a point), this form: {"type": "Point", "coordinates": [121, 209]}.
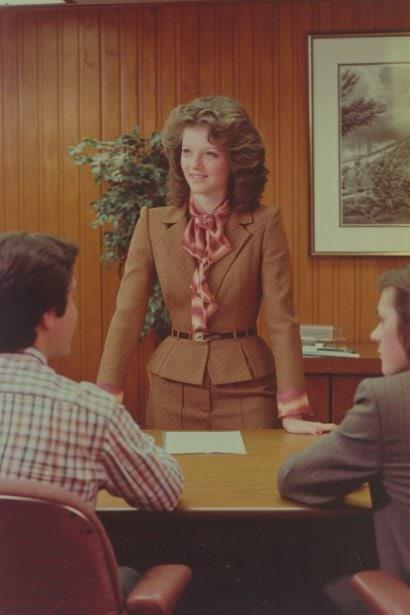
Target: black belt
{"type": "Point", "coordinates": [205, 336]}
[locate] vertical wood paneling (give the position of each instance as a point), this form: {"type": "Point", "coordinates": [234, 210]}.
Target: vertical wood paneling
{"type": "Point", "coordinates": [225, 49]}
{"type": "Point", "coordinates": [28, 132]}
{"type": "Point", "coordinates": [273, 149]}
{"type": "Point", "coordinates": [90, 279]}
{"type": "Point", "coordinates": [206, 50]}
{"type": "Point", "coordinates": [264, 94]}
{"type": "Point", "coordinates": [187, 50]}
{"type": "Point", "coordinates": [128, 66]}
{"type": "Point", "coordinates": [265, 87]}
{"type": "Point", "coordinates": [50, 152]}
{"type": "Point", "coordinates": [284, 99]}
{"type": "Point", "coordinates": [168, 96]}
{"type": "Point", "coordinates": [245, 56]}
{"type": "Point", "coordinates": [96, 71]}
{"type": "Point", "coordinates": [110, 73]}
{"type": "Point", "coordinates": [344, 290]}
{"type": "Point", "coordinates": [11, 214]}
{"type": "Point", "coordinates": [148, 69]}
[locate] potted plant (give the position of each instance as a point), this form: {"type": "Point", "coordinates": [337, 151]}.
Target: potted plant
{"type": "Point", "coordinates": [135, 170]}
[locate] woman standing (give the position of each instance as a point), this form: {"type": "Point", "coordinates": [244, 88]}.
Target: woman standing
{"type": "Point", "coordinates": [217, 253]}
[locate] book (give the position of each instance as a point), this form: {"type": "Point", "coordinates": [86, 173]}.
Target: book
{"type": "Point", "coordinates": [325, 350]}
{"type": "Point", "coordinates": [320, 333]}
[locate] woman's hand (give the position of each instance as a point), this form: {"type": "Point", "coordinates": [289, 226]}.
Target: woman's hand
{"type": "Point", "coordinates": [295, 424]}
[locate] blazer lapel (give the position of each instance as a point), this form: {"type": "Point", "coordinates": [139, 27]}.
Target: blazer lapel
{"type": "Point", "coordinates": [237, 235]}
{"type": "Point", "coordinates": [174, 226]}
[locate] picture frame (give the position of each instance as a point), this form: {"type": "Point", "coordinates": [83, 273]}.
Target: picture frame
{"type": "Point", "coordinates": [359, 107]}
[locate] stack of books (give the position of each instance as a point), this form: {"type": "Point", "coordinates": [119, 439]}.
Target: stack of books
{"type": "Point", "coordinates": [327, 350]}
{"type": "Point", "coordinates": [324, 341]}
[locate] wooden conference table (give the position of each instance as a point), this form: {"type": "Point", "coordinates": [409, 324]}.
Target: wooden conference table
{"type": "Point", "coordinates": [245, 544]}
{"type": "Point", "coordinates": [228, 484]}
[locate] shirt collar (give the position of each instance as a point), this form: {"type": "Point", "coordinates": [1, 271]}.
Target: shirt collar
{"type": "Point", "coordinates": [35, 353]}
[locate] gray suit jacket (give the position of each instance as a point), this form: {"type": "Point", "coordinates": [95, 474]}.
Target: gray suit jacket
{"type": "Point", "coordinates": [371, 444]}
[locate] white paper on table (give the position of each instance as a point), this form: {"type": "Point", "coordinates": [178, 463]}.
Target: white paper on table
{"type": "Point", "coordinates": [179, 442]}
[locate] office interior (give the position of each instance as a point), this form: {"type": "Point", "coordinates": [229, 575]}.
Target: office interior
{"type": "Point", "coordinates": [98, 69]}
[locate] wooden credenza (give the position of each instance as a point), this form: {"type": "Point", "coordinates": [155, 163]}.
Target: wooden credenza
{"type": "Point", "coordinates": [332, 381]}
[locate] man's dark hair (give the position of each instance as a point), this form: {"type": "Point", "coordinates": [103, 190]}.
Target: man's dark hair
{"type": "Point", "coordinates": [35, 276]}
{"type": "Point", "coordinates": [399, 279]}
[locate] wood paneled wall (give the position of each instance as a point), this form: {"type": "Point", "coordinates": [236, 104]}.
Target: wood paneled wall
{"type": "Point", "coordinates": [72, 72]}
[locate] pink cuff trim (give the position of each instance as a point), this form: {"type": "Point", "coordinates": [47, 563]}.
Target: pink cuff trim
{"type": "Point", "coordinates": [108, 387]}
{"type": "Point", "coordinates": [290, 395]}
{"type": "Point", "coordinates": [293, 401]}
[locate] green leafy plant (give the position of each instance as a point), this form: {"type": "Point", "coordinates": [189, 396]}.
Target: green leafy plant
{"type": "Point", "coordinates": [134, 168]}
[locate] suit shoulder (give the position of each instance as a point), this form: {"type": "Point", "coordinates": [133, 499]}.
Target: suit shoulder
{"type": "Point", "coordinates": [266, 212]}
{"type": "Point", "coordinates": [389, 385]}
{"type": "Point", "coordinates": [389, 395]}
{"type": "Point", "coordinates": [267, 216]}
{"type": "Point", "coordinates": [160, 214]}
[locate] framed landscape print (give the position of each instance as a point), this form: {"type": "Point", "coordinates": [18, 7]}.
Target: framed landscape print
{"type": "Point", "coordinates": [359, 87]}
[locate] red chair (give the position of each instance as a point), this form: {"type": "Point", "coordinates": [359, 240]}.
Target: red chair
{"type": "Point", "coordinates": [382, 593]}
{"type": "Point", "coordinates": [55, 558]}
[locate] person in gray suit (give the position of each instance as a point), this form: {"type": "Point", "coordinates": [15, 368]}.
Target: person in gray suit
{"type": "Point", "coordinates": [371, 444]}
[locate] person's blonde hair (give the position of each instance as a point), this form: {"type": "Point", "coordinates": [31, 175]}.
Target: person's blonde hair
{"type": "Point", "coordinates": [399, 279]}
{"type": "Point", "coordinates": [229, 129]}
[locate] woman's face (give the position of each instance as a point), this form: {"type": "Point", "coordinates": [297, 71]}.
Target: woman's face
{"type": "Point", "coordinates": [392, 353]}
{"type": "Point", "coordinates": [205, 166]}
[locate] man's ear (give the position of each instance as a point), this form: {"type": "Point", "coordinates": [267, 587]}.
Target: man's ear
{"type": "Point", "coordinates": [47, 321]}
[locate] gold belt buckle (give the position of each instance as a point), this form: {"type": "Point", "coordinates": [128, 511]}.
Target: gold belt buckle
{"type": "Point", "coordinates": [199, 336]}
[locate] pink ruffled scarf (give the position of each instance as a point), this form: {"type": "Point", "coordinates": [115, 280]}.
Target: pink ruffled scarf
{"type": "Point", "coordinates": [204, 238]}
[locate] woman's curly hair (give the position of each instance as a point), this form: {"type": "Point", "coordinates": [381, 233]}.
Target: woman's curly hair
{"type": "Point", "coordinates": [229, 129]}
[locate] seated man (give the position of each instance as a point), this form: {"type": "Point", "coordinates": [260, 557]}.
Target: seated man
{"type": "Point", "coordinates": [53, 429]}
{"type": "Point", "coordinates": [371, 444]}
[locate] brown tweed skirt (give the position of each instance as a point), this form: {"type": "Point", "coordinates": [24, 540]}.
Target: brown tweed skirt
{"type": "Point", "coordinates": [239, 405]}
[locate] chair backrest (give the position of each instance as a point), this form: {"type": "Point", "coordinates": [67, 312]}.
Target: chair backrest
{"type": "Point", "coordinates": [55, 557]}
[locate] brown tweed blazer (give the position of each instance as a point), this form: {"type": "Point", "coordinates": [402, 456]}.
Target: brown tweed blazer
{"type": "Point", "coordinates": [258, 267]}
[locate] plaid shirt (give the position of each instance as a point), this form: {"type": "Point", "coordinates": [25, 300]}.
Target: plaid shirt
{"type": "Point", "coordinates": [77, 436]}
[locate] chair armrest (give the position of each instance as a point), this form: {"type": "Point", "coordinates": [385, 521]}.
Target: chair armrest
{"type": "Point", "coordinates": [382, 592]}
{"type": "Point", "coordinates": [158, 590]}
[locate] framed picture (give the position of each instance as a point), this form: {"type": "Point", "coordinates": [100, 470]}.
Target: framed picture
{"type": "Point", "coordinates": [360, 144]}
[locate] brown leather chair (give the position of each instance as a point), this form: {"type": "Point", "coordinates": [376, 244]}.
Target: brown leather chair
{"type": "Point", "coordinates": [382, 593]}
{"type": "Point", "coordinates": [55, 557]}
